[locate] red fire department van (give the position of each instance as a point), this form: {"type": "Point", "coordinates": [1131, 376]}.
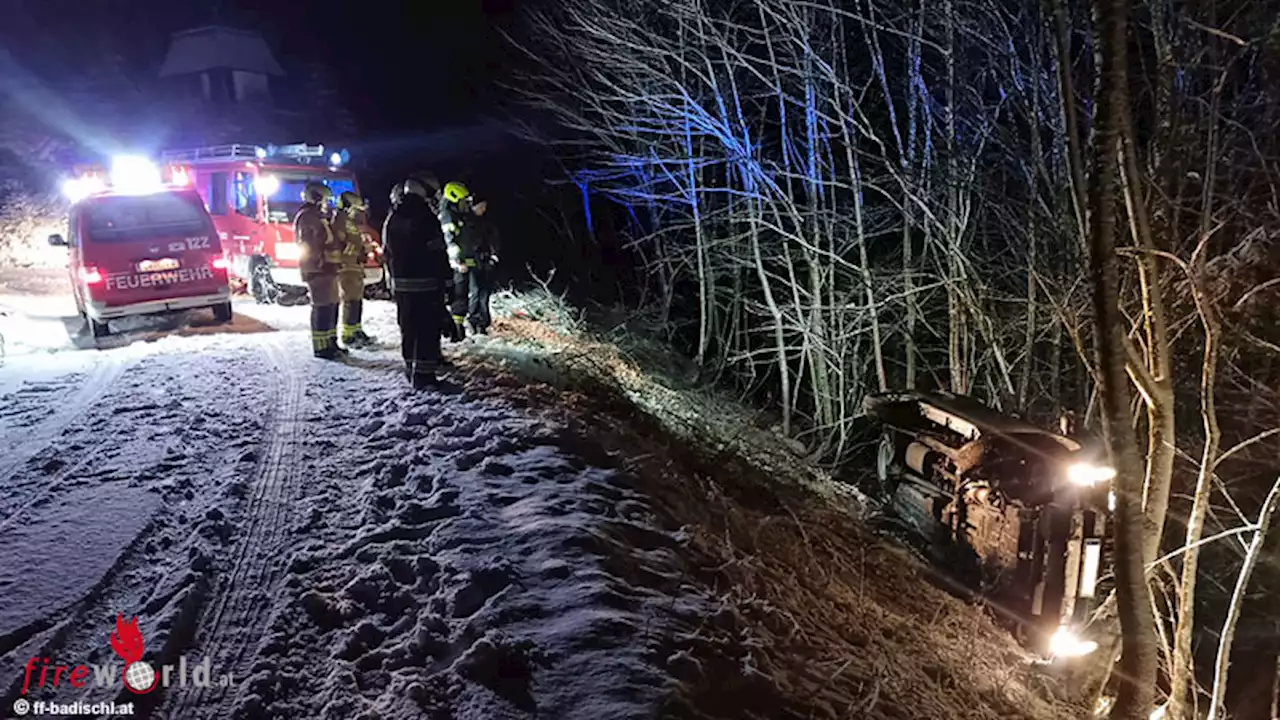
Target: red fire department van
{"type": "Point", "coordinates": [252, 192]}
{"type": "Point", "coordinates": [140, 246]}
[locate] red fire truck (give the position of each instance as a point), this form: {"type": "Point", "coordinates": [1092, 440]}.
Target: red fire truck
{"type": "Point", "coordinates": [253, 192]}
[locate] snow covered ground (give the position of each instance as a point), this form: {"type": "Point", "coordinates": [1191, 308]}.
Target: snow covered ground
{"type": "Point", "coordinates": [338, 546]}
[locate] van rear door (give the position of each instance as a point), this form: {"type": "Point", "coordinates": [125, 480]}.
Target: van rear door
{"type": "Point", "coordinates": [151, 247]}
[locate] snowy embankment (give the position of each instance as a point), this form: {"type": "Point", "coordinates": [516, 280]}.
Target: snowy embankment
{"type": "Point", "coordinates": [341, 547]}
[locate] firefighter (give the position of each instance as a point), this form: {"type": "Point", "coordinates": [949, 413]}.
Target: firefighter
{"type": "Point", "coordinates": [350, 238]}
{"type": "Point", "coordinates": [419, 279]}
{"type": "Point", "coordinates": [485, 255]}
{"type": "Point", "coordinates": [456, 215]}
{"type": "Point", "coordinates": [319, 259]}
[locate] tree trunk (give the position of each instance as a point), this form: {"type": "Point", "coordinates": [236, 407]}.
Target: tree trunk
{"type": "Point", "coordinates": [1237, 602]}
{"type": "Point", "coordinates": [1182, 674]}
{"type": "Point", "coordinates": [1138, 660]}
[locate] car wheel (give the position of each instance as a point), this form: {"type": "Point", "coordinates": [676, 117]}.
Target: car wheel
{"type": "Point", "coordinates": [222, 313]}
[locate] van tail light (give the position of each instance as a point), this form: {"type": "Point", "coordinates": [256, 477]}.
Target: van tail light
{"type": "Point", "coordinates": [90, 275]}
{"type": "Point", "coordinates": [220, 263]}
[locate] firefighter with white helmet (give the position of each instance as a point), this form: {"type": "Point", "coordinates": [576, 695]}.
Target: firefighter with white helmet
{"type": "Point", "coordinates": [419, 278]}
{"type": "Point", "coordinates": [350, 238]}
{"type": "Point", "coordinates": [319, 258]}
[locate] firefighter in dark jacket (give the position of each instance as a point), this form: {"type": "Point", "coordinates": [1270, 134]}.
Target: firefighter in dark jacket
{"type": "Point", "coordinates": [457, 218]}
{"type": "Point", "coordinates": [318, 260]}
{"type": "Point", "coordinates": [485, 256]}
{"type": "Point", "coordinates": [350, 239]}
{"type": "Point", "coordinates": [419, 279]}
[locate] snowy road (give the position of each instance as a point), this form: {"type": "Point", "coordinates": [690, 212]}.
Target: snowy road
{"type": "Point", "coordinates": [322, 542]}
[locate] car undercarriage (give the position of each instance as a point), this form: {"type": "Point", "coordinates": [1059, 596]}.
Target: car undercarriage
{"type": "Point", "coordinates": [1017, 510]}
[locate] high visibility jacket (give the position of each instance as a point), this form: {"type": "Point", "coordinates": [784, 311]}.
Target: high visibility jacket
{"type": "Point", "coordinates": [350, 241]}
{"type": "Point", "coordinates": [312, 231]}
{"type": "Point", "coordinates": [413, 248]}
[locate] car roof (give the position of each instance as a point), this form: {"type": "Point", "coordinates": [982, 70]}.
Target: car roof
{"type": "Point", "coordinates": [183, 191]}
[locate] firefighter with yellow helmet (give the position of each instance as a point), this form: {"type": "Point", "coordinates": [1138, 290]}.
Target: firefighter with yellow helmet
{"type": "Point", "coordinates": [319, 258]}
{"type": "Point", "coordinates": [350, 239]}
{"type": "Point", "coordinates": [471, 266]}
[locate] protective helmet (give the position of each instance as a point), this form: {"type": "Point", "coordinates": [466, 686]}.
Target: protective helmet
{"type": "Point", "coordinates": [316, 192]}
{"type": "Point", "coordinates": [455, 192]}
{"type": "Point", "coordinates": [414, 186]}
{"type": "Point", "coordinates": [351, 201]}
{"type": "Point", "coordinates": [397, 193]}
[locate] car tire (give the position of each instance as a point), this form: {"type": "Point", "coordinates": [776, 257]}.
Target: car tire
{"type": "Point", "coordinates": [222, 313]}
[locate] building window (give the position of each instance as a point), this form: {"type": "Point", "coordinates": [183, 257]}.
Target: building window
{"type": "Point", "coordinates": [250, 87]}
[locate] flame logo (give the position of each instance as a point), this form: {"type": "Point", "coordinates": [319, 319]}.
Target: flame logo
{"type": "Point", "coordinates": [126, 641]}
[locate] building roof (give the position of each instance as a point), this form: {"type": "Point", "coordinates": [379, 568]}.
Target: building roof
{"type": "Point", "coordinates": [218, 47]}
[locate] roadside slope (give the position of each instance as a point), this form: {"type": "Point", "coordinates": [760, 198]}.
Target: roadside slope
{"type": "Point", "coordinates": [814, 615]}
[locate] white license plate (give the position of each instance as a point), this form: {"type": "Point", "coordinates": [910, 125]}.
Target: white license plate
{"type": "Point", "coordinates": [157, 265]}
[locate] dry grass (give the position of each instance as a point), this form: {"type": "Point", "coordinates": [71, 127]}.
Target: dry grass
{"type": "Point", "coordinates": [819, 617]}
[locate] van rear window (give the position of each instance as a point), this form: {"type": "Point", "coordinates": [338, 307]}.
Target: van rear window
{"type": "Point", "coordinates": [129, 217]}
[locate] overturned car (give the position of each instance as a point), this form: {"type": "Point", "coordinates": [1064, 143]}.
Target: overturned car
{"type": "Point", "coordinates": [1021, 510]}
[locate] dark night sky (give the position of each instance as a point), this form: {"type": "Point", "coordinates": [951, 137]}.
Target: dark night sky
{"type": "Point", "coordinates": [449, 53]}
{"type": "Point", "coordinates": [422, 76]}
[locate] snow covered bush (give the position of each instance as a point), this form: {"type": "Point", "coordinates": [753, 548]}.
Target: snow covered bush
{"type": "Point", "coordinates": [26, 221]}
{"type": "Point", "coordinates": [541, 305]}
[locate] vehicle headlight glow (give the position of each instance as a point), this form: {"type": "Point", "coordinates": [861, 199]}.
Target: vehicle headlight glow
{"type": "Point", "coordinates": [266, 185]}
{"type": "Point", "coordinates": [77, 189]}
{"type": "Point", "coordinates": [133, 173]}
{"type": "Point", "coordinates": [335, 159]}
{"type": "Point", "coordinates": [1087, 474]}
{"type": "Point", "coordinates": [1067, 644]}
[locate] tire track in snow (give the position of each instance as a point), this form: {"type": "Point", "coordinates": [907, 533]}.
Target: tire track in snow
{"type": "Point", "coordinates": [67, 628]}
{"type": "Point", "coordinates": [240, 612]}
{"type": "Point", "coordinates": [20, 447]}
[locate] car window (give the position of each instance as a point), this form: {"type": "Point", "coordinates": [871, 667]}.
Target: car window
{"type": "Point", "coordinates": [246, 199]}
{"type": "Point", "coordinates": [216, 192]}
{"type": "Point", "coordinates": [124, 218]}
{"type": "Point", "coordinates": [285, 202]}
